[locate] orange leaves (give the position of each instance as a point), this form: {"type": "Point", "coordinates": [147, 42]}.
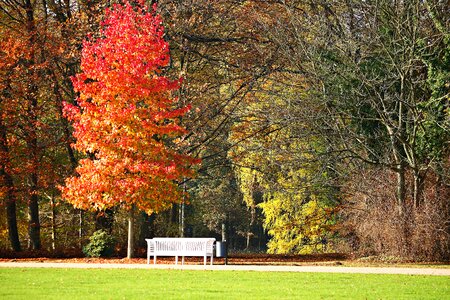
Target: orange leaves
{"type": "Point", "coordinates": [102, 185]}
{"type": "Point", "coordinates": [125, 115]}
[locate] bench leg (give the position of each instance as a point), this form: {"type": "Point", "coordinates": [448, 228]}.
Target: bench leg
{"type": "Point", "coordinates": [211, 260]}
{"type": "Point", "coordinates": [204, 260]}
{"type": "Point", "coordinates": [182, 260]}
{"type": "Point", "coordinates": [176, 260]}
{"type": "Point", "coordinates": [154, 259]}
{"type": "Point", "coordinates": [148, 259]}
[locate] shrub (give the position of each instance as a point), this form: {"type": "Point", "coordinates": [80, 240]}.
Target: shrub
{"type": "Point", "coordinates": [373, 226]}
{"type": "Point", "coordinates": [101, 244]}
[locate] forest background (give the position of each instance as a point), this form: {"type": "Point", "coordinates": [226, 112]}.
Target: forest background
{"type": "Point", "coordinates": [322, 126]}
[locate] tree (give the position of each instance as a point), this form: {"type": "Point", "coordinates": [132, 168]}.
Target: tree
{"type": "Point", "coordinates": [29, 137]}
{"type": "Point", "coordinates": [376, 71]}
{"type": "Point", "coordinates": [35, 81]}
{"type": "Point", "coordinates": [9, 60]}
{"type": "Point", "coordinates": [125, 118]}
{"type": "Point", "coordinates": [21, 84]}
{"type": "Point", "coordinates": [366, 71]}
{"type": "Point", "coordinates": [280, 172]}
{"type": "Point", "coordinates": [223, 58]}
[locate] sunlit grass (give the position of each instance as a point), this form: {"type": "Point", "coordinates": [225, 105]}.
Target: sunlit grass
{"type": "Point", "coordinates": [47, 283]}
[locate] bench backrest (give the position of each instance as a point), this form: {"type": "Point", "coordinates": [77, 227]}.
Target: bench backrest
{"type": "Point", "coordinates": [184, 245]}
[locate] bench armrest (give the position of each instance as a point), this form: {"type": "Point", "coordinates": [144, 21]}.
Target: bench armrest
{"type": "Point", "coordinates": [150, 245]}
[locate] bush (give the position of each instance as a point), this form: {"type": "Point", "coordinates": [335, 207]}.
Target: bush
{"type": "Point", "coordinates": [101, 244]}
{"type": "Point", "coordinates": [373, 226]}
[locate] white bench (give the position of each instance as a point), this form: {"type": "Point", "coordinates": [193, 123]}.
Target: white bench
{"type": "Point", "coordinates": [180, 247]}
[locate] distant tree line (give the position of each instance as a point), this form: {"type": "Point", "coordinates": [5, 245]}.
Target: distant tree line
{"type": "Point", "coordinates": [321, 126]}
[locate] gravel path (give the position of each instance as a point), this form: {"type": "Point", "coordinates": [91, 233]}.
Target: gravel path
{"type": "Point", "coordinates": [320, 269]}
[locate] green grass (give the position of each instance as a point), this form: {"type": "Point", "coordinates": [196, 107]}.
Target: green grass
{"type": "Point", "coordinates": [47, 283]}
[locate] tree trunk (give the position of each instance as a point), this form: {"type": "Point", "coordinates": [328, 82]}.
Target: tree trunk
{"type": "Point", "coordinates": [181, 219]}
{"type": "Point", "coordinates": [401, 188]}
{"type": "Point", "coordinates": [80, 229]}
{"type": "Point", "coordinates": [418, 188]}
{"type": "Point", "coordinates": [12, 223]}
{"type": "Point", "coordinates": [130, 248]}
{"type": "Point", "coordinates": [174, 214]}
{"type": "Point", "coordinates": [53, 206]}
{"type": "Point", "coordinates": [10, 197]}
{"type": "Point", "coordinates": [400, 167]}
{"type": "Point", "coordinates": [34, 226]}
{"type": "Point", "coordinates": [146, 228]}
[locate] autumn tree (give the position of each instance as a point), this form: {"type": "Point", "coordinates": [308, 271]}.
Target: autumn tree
{"type": "Point", "coordinates": [27, 91]}
{"type": "Point", "coordinates": [32, 159]}
{"type": "Point", "coordinates": [374, 74]}
{"type": "Point", "coordinates": [367, 81]}
{"type": "Point", "coordinates": [221, 57]}
{"type": "Point", "coordinates": [279, 171]}
{"type": "Point", "coordinates": [126, 117]}
{"type": "Point", "coordinates": [8, 191]}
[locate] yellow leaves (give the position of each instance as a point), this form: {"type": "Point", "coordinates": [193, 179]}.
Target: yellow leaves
{"type": "Point", "coordinates": [295, 227]}
{"type": "Point", "coordinates": [295, 214]}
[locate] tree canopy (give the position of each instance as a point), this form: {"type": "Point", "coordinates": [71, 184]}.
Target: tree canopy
{"type": "Point", "coordinates": [125, 116]}
{"type": "Point", "coordinates": [311, 126]}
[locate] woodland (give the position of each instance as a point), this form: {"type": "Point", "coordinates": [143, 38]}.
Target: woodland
{"type": "Point", "coordinates": [286, 127]}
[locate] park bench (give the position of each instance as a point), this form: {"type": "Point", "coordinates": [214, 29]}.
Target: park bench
{"type": "Point", "coordinates": [180, 247]}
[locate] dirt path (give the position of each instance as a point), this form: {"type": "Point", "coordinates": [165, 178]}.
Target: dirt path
{"type": "Point", "coordinates": [321, 269]}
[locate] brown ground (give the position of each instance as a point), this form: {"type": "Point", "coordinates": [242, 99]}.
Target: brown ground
{"type": "Point", "coordinates": [232, 259]}
{"type": "Point", "coordinates": [332, 259]}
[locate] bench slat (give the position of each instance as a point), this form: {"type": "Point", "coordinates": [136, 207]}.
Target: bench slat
{"type": "Point", "coordinates": [180, 247]}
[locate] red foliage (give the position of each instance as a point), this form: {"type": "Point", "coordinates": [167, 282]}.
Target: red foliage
{"type": "Point", "coordinates": [125, 114]}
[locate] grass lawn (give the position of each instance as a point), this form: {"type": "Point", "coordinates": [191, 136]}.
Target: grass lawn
{"type": "Point", "coordinates": [47, 283]}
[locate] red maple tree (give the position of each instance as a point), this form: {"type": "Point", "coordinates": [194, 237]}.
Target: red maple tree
{"type": "Point", "coordinates": [125, 115]}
